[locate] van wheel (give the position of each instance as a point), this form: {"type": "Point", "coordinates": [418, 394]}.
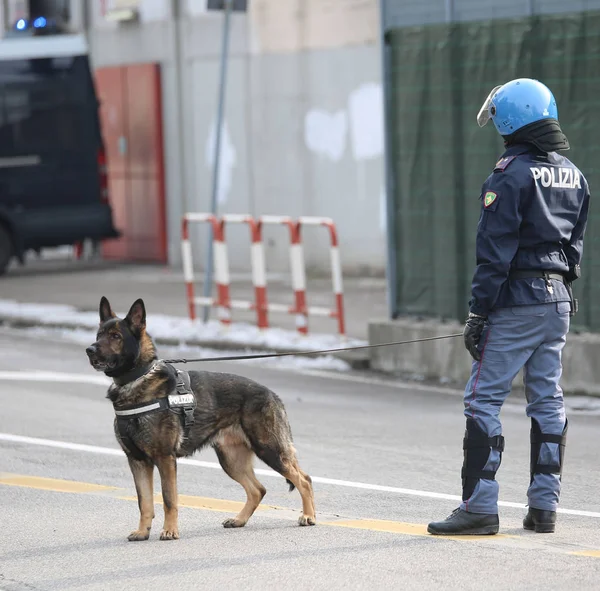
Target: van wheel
{"type": "Point", "coordinates": [6, 249]}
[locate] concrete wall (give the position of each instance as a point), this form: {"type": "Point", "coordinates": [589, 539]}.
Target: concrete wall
{"type": "Point", "coordinates": [303, 132]}
{"type": "Point", "coordinates": [447, 361]}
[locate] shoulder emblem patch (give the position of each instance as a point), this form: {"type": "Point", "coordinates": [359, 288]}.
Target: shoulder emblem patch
{"type": "Point", "coordinates": [503, 163]}
{"type": "Point", "coordinates": [489, 198]}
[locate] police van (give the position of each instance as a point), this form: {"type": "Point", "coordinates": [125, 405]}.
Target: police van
{"type": "Point", "coordinates": [53, 181]}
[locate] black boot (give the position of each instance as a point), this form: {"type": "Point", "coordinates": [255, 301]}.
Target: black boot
{"type": "Point", "coordinates": [542, 522]}
{"type": "Point", "coordinates": [461, 523]}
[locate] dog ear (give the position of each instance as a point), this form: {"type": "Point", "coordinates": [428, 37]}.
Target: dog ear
{"type": "Point", "coordinates": [136, 317]}
{"type": "Point", "coordinates": [105, 310]}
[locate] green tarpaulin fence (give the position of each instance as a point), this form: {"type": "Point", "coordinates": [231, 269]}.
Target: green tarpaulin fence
{"type": "Point", "coordinates": [438, 77]}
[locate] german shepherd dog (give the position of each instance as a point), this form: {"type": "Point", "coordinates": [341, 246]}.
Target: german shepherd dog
{"type": "Point", "coordinates": [238, 417]}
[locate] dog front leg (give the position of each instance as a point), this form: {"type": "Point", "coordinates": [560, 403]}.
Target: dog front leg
{"type": "Point", "coordinates": [167, 467]}
{"type": "Point", "coordinates": [143, 476]}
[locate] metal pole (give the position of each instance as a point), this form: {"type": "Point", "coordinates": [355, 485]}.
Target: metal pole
{"type": "Point", "coordinates": [530, 8]}
{"type": "Point", "coordinates": [392, 230]}
{"type": "Point", "coordinates": [183, 162]}
{"type": "Point", "coordinates": [208, 275]}
{"type": "Point", "coordinates": [449, 11]}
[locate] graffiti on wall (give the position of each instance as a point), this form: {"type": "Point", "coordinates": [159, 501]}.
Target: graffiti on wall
{"type": "Point", "coordinates": [359, 126]}
{"type": "Point", "coordinates": [325, 133]}
{"type": "Point", "coordinates": [227, 160]}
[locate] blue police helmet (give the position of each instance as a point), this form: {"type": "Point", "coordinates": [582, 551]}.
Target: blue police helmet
{"type": "Point", "coordinates": [516, 104]}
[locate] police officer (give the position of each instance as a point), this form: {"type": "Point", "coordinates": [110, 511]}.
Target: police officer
{"type": "Point", "coordinates": [534, 209]}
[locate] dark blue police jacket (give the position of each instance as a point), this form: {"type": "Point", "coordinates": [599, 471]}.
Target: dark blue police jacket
{"type": "Point", "coordinates": [534, 210]}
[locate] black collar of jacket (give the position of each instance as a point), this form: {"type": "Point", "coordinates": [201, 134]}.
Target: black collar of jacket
{"type": "Point", "coordinates": [545, 135]}
{"type": "Point", "coordinates": [518, 149]}
{"type": "Point", "coordinates": [133, 374]}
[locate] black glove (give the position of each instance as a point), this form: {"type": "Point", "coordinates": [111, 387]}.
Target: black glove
{"type": "Point", "coordinates": [472, 333]}
{"type": "Point", "coordinates": [573, 273]}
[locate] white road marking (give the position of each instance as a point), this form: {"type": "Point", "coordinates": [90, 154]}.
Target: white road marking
{"type": "Point", "coordinates": [587, 405]}
{"type": "Point", "coordinates": [214, 465]}
{"type": "Point", "coordinates": [54, 376]}
{"type": "Point", "coordinates": [370, 380]}
{"type": "Point", "coordinates": [101, 380]}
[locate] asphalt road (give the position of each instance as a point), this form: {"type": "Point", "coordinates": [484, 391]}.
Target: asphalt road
{"type": "Point", "coordinates": [385, 458]}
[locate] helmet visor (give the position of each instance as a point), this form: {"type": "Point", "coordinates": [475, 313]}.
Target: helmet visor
{"type": "Point", "coordinates": [485, 113]}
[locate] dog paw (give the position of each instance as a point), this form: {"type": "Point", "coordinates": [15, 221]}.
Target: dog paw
{"type": "Point", "coordinates": [138, 535]}
{"type": "Point", "coordinates": [167, 534]}
{"type": "Point", "coordinates": [233, 522]}
{"type": "Point", "coordinates": [306, 520]}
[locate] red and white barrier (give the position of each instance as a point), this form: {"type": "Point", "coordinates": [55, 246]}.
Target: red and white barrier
{"type": "Point", "coordinates": [221, 264]}
{"type": "Point", "coordinates": [297, 269]}
{"type": "Point", "coordinates": [336, 271]}
{"type": "Point", "coordinates": [259, 275]}
{"type": "Point", "coordinates": [259, 272]}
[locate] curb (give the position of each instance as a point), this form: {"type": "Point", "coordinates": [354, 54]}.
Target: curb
{"type": "Point", "coordinates": [448, 359]}
{"type": "Point", "coordinates": [357, 360]}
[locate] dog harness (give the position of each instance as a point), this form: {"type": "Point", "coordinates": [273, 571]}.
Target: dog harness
{"type": "Point", "coordinates": [181, 402]}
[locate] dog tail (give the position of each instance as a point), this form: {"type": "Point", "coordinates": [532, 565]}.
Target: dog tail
{"type": "Point", "coordinates": [292, 487]}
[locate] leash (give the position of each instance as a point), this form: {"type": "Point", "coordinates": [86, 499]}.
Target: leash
{"type": "Point", "coordinates": [266, 355]}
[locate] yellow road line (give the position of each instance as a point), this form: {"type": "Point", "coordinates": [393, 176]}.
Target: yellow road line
{"type": "Point", "coordinates": [528, 542]}
{"type": "Point", "coordinates": [590, 553]}
{"type": "Point", "coordinates": [52, 484]}
{"type": "Point", "coordinates": [398, 527]}
{"type": "Point", "coordinates": [220, 505]}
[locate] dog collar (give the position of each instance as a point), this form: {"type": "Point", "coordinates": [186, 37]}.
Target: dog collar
{"type": "Point", "coordinates": [133, 374]}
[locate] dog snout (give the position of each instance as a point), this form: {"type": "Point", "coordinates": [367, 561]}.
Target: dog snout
{"type": "Point", "coordinates": [91, 350]}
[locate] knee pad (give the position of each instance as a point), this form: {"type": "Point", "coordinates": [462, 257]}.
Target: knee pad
{"type": "Point", "coordinates": [477, 446]}
{"type": "Point", "coordinates": [537, 438]}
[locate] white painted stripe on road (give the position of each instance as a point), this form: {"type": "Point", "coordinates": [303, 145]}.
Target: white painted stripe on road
{"type": "Point", "coordinates": [53, 376]}
{"type": "Point", "coordinates": [109, 451]}
{"type": "Point", "coordinates": [214, 465]}
{"type": "Point", "coordinates": [372, 381]}
{"type": "Point", "coordinates": [99, 380]}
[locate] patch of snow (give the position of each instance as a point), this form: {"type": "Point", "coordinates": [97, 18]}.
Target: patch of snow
{"type": "Point", "coordinates": [86, 337]}
{"type": "Point", "coordinates": [182, 330]}
{"type": "Point", "coordinates": [292, 362]}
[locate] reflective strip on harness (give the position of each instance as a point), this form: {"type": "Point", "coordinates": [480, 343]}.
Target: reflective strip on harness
{"type": "Point", "coordinates": [139, 410]}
